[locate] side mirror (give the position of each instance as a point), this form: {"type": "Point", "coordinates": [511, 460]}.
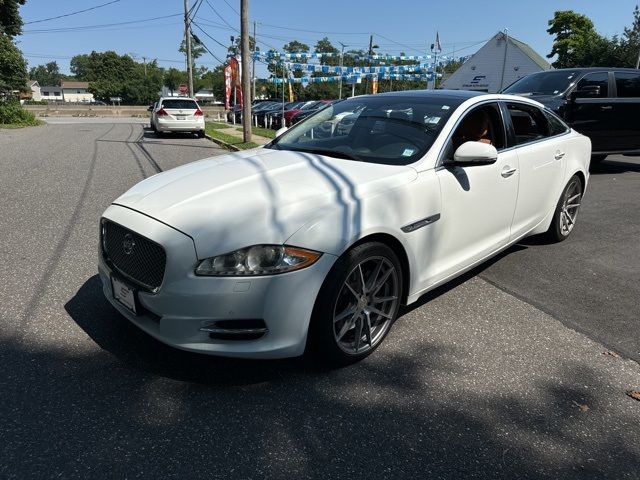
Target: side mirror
{"type": "Point", "coordinates": [281, 130]}
{"type": "Point", "coordinates": [150, 108]}
{"type": "Point", "coordinates": [587, 91]}
{"type": "Point", "coordinates": [475, 153]}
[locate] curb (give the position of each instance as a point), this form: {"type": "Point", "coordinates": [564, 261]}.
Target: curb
{"type": "Point", "coordinates": [226, 145]}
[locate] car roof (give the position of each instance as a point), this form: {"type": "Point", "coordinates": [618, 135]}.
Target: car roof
{"type": "Point", "coordinates": [459, 95]}
{"type": "Point", "coordinates": [177, 98]}
{"type": "Point", "coordinates": [589, 69]}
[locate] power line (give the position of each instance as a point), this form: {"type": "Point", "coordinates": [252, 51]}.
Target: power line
{"type": "Point", "coordinates": [221, 17]}
{"type": "Point", "coordinates": [229, 5]}
{"type": "Point", "coordinates": [313, 31]}
{"type": "Point", "coordinates": [91, 27]}
{"type": "Point", "coordinates": [72, 13]}
{"type": "Point", "coordinates": [209, 36]}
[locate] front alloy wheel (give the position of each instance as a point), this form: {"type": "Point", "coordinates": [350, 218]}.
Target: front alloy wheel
{"type": "Point", "coordinates": [357, 304]}
{"type": "Point", "coordinates": [567, 209]}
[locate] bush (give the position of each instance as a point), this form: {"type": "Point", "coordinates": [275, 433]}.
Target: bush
{"type": "Point", "coordinates": [36, 102]}
{"type": "Point", "coordinates": [12, 113]}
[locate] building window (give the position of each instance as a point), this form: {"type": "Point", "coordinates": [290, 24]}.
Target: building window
{"type": "Point", "coordinates": [57, 94]}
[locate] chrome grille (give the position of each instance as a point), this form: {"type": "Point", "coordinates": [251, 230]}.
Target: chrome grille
{"type": "Point", "coordinates": [135, 257]}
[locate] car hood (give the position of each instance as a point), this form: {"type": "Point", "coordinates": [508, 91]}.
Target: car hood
{"type": "Point", "coordinates": [258, 196]}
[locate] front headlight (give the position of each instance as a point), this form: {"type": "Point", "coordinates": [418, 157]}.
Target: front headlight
{"type": "Point", "coordinates": [257, 260]}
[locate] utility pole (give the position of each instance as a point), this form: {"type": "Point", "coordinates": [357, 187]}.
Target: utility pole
{"type": "Point", "coordinates": [253, 65]}
{"type": "Point", "coordinates": [245, 52]}
{"type": "Point", "coordinates": [366, 85]}
{"type": "Point", "coordinates": [187, 39]}
{"type": "Point", "coordinates": [341, 65]}
{"type": "Point", "coordinates": [144, 60]}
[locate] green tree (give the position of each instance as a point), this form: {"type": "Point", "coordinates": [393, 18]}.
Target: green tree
{"type": "Point", "coordinates": [10, 20]}
{"type": "Point", "coordinates": [197, 49]}
{"type": "Point", "coordinates": [325, 46]}
{"type": "Point", "coordinates": [13, 67]}
{"type": "Point", "coordinates": [234, 49]}
{"type": "Point", "coordinates": [173, 78]}
{"type": "Point", "coordinates": [631, 41]}
{"type": "Point", "coordinates": [577, 44]}
{"type": "Point", "coordinates": [48, 74]}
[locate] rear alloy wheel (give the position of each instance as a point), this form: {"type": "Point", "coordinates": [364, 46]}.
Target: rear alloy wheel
{"type": "Point", "coordinates": [357, 304]}
{"type": "Point", "coordinates": [566, 212]}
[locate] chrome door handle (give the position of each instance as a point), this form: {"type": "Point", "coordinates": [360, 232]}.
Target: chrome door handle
{"type": "Point", "coordinates": [559, 155]}
{"type": "Point", "coordinates": [507, 171]}
{"type": "Point", "coordinates": [606, 107]}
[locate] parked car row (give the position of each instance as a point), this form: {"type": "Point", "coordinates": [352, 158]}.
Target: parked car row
{"type": "Point", "coordinates": [276, 114]}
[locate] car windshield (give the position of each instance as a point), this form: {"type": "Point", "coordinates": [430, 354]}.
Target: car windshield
{"type": "Point", "coordinates": [543, 83]}
{"type": "Point", "coordinates": [182, 104]}
{"type": "Point", "coordinates": [393, 130]}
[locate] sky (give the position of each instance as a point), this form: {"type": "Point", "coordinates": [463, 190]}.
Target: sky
{"type": "Point", "coordinates": [396, 25]}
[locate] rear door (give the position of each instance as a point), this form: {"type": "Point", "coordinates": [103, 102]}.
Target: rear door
{"type": "Point", "coordinates": [591, 111]}
{"type": "Point", "coordinates": [626, 109]}
{"type": "Point", "coordinates": [541, 162]}
{"type": "Point", "coordinates": [180, 108]}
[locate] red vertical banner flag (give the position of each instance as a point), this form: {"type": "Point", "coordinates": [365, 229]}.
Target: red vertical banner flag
{"type": "Point", "coordinates": [227, 87]}
{"type": "Point", "coordinates": [235, 79]}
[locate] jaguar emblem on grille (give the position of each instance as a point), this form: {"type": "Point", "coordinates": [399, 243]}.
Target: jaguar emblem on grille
{"type": "Point", "coordinates": [128, 243]}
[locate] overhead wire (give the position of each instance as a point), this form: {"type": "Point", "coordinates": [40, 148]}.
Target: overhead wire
{"type": "Point", "coordinates": [71, 13]}
{"type": "Point", "coordinates": [100, 26]}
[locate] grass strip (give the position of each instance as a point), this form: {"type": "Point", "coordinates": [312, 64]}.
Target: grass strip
{"type": "Point", "coordinates": [217, 125]}
{"type": "Point", "coordinates": [229, 139]}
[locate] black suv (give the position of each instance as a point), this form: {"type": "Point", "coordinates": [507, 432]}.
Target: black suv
{"type": "Point", "coordinates": [601, 103]}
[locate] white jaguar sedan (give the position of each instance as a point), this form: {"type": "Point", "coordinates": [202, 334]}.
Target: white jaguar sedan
{"type": "Point", "coordinates": [315, 240]}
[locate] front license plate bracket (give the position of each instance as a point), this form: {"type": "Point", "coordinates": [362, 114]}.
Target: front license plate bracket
{"type": "Point", "coordinates": [125, 294]}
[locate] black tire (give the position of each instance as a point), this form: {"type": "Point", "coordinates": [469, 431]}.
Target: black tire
{"type": "Point", "coordinates": [200, 133]}
{"type": "Point", "coordinates": [558, 231]}
{"type": "Point", "coordinates": [322, 343]}
{"type": "Point", "coordinates": [597, 158]}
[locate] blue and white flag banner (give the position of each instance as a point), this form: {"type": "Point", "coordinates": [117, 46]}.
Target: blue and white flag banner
{"type": "Point", "coordinates": [350, 78]}
{"type": "Point", "coordinates": [304, 67]}
{"type": "Point", "coordinates": [275, 56]}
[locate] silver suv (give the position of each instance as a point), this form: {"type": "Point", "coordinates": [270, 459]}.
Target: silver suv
{"type": "Point", "coordinates": [177, 114]}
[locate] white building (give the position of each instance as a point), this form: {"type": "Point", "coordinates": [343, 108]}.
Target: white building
{"type": "Point", "coordinates": [76, 92]}
{"type": "Point", "coordinates": [34, 86]}
{"type": "Point", "coordinates": [497, 64]}
{"type": "Point", "coordinates": [51, 93]}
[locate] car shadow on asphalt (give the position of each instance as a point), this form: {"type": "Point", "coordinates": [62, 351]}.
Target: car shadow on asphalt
{"type": "Point", "coordinates": [614, 167]}
{"type": "Point", "coordinates": [116, 335]}
{"type": "Point", "coordinates": [418, 407]}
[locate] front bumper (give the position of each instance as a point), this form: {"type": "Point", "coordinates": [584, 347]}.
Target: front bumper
{"type": "Point", "coordinates": [168, 125]}
{"type": "Point", "coordinates": [185, 303]}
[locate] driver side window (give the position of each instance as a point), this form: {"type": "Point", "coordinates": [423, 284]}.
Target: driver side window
{"type": "Point", "coordinates": [482, 124]}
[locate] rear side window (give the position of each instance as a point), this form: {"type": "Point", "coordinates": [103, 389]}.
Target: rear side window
{"type": "Point", "coordinates": [593, 80]}
{"type": "Point", "coordinates": [181, 104]}
{"type": "Point", "coordinates": [529, 123]}
{"type": "Point", "coordinates": [627, 84]}
{"type": "Point", "coordinates": [556, 126]}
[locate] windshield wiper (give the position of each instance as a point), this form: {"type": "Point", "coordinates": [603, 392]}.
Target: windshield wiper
{"type": "Point", "coordinates": [327, 152]}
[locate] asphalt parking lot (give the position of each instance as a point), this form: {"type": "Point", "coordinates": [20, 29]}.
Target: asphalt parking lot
{"type": "Point", "coordinates": [508, 372]}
